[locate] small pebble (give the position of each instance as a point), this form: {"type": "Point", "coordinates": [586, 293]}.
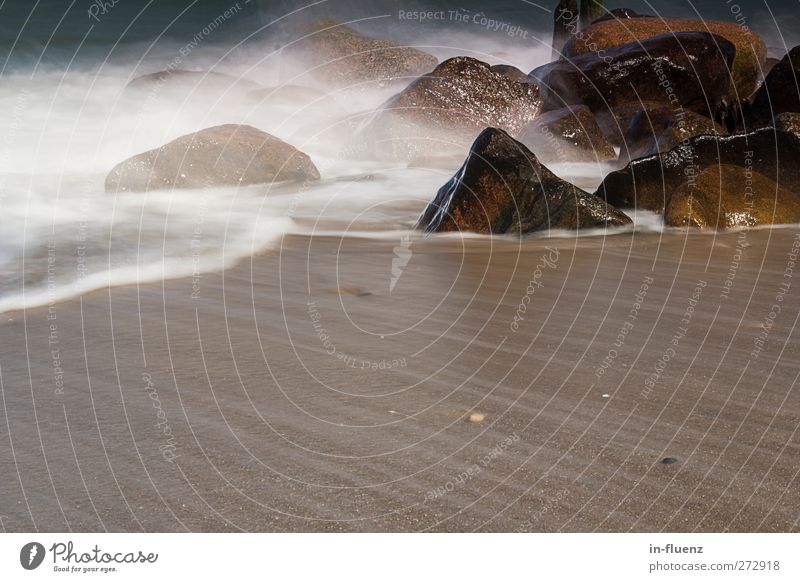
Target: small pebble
{"type": "Point", "coordinates": [477, 417]}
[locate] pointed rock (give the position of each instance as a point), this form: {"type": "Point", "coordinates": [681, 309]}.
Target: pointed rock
{"type": "Point", "coordinates": [503, 188]}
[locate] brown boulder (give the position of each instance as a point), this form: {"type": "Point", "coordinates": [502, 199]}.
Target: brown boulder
{"type": "Point", "coordinates": [688, 70]}
{"type": "Point", "coordinates": [661, 129]}
{"type": "Point", "coordinates": [446, 109]}
{"type": "Point", "coordinates": [650, 182]}
{"type": "Point", "coordinates": [731, 196]}
{"type": "Point", "coordinates": [502, 188]}
{"type": "Point", "coordinates": [567, 135]}
{"type": "Point", "coordinates": [226, 155]}
{"type": "Point", "coordinates": [340, 56]}
{"type": "Point", "coordinates": [751, 52]}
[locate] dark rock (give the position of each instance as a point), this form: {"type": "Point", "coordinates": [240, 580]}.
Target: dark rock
{"type": "Point", "coordinates": [780, 92]}
{"type": "Point", "coordinates": [342, 57]}
{"type": "Point", "coordinates": [687, 69]}
{"type": "Point", "coordinates": [614, 122]}
{"type": "Point", "coordinates": [226, 155]}
{"type": "Point", "coordinates": [650, 182]}
{"type": "Point", "coordinates": [445, 110]}
{"type": "Point", "coordinates": [590, 10]}
{"type": "Point", "coordinates": [751, 52]}
{"type": "Point", "coordinates": [660, 130]}
{"type": "Point", "coordinates": [565, 24]}
{"type": "Point", "coordinates": [621, 14]}
{"type": "Point", "coordinates": [731, 196]}
{"type": "Point", "coordinates": [503, 188]}
{"type": "Point", "coordinates": [567, 135]}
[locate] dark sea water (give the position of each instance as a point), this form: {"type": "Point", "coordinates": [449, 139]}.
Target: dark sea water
{"type": "Point", "coordinates": [83, 32]}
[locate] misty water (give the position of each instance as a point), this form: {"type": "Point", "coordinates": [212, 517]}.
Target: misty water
{"type": "Point", "coordinates": [67, 119]}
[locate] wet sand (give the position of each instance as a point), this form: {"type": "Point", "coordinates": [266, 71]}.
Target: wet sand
{"type": "Point", "coordinates": [294, 392]}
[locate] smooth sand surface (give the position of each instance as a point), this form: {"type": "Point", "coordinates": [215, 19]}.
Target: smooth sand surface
{"type": "Point", "coordinates": [271, 432]}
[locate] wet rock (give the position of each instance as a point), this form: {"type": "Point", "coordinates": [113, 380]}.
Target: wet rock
{"type": "Point", "coordinates": [503, 188]}
{"type": "Point", "coordinates": [661, 129]}
{"type": "Point", "coordinates": [445, 110]}
{"type": "Point", "coordinates": [789, 122]}
{"type": "Point", "coordinates": [751, 52]}
{"type": "Point", "coordinates": [567, 135]}
{"type": "Point", "coordinates": [731, 196]}
{"type": "Point", "coordinates": [512, 73]}
{"type": "Point", "coordinates": [780, 92]}
{"type": "Point", "coordinates": [614, 122]}
{"type": "Point", "coordinates": [226, 155]}
{"type": "Point", "coordinates": [687, 69]}
{"type": "Point", "coordinates": [340, 56]}
{"type": "Point", "coordinates": [650, 182]}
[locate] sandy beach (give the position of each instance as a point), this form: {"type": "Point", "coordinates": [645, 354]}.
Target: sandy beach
{"type": "Point", "coordinates": [639, 382]}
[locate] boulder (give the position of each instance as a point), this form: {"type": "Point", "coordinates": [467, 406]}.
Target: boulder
{"type": "Point", "coordinates": [688, 70]}
{"type": "Point", "coordinates": [446, 109]}
{"type": "Point", "coordinates": [661, 129]}
{"type": "Point", "coordinates": [751, 52]}
{"type": "Point", "coordinates": [226, 155]}
{"type": "Point", "coordinates": [566, 135]}
{"type": "Point", "coordinates": [731, 196]}
{"type": "Point", "coordinates": [340, 56]}
{"type": "Point", "coordinates": [502, 188]}
{"type": "Point", "coordinates": [780, 92]}
{"type": "Point", "coordinates": [649, 182]}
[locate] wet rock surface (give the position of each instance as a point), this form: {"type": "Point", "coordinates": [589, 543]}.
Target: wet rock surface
{"type": "Point", "coordinates": [503, 188]}
{"type": "Point", "coordinates": [567, 135]}
{"type": "Point", "coordinates": [661, 129]}
{"type": "Point", "coordinates": [686, 69]}
{"type": "Point", "coordinates": [226, 155]}
{"type": "Point", "coordinates": [446, 109]}
{"type": "Point", "coordinates": [731, 196]}
{"type": "Point", "coordinates": [751, 52]}
{"type": "Point", "coordinates": [650, 182]}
